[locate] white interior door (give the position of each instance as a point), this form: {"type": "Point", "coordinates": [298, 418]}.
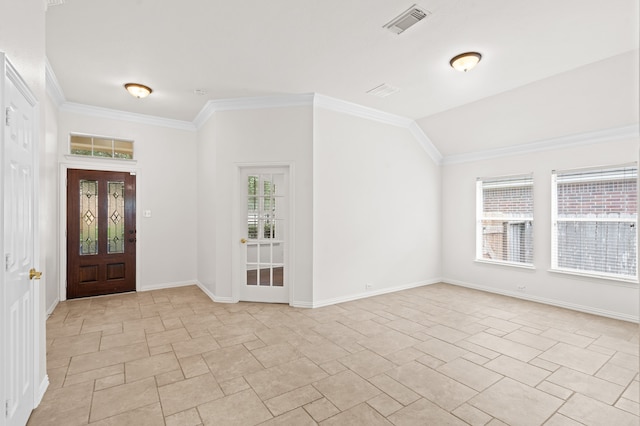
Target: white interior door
{"type": "Point", "coordinates": [18, 304]}
{"type": "Point", "coordinates": [264, 268]}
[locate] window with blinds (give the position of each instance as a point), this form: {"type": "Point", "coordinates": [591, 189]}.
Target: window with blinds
{"type": "Point", "coordinates": [595, 214]}
{"type": "Point", "coordinates": [504, 220]}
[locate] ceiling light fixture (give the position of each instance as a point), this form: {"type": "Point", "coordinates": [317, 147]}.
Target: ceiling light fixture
{"type": "Point", "coordinates": [138, 90]}
{"type": "Point", "coordinates": [465, 61]}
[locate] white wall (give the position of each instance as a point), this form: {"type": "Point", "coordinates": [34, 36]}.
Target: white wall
{"type": "Point", "coordinates": [370, 207]}
{"type": "Point", "coordinates": [165, 184]}
{"type": "Point", "coordinates": [458, 226]}
{"type": "Point", "coordinates": [206, 207]}
{"type": "Point", "coordinates": [49, 197]}
{"type": "Point", "coordinates": [253, 136]}
{"type": "Point", "coordinates": [376, 209]}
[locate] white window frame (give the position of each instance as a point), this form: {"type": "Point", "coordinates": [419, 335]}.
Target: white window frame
{"type": "Point", "coordinates": [555, 220]}
{"type": "Point", "coordinates": [504, 181]}
{"type": "Point", "coordinates": [113, 150]}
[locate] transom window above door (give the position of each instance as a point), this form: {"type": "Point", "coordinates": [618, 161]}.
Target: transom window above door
{"type": "Point", "coordinates": [101, 147]}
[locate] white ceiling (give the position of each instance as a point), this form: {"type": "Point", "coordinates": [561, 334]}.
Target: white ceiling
{"type": "Point", "coordinates": [339, 49]}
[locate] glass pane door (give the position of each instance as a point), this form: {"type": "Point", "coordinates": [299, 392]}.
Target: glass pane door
{"type": "Point", "coordinates": [265, 230]}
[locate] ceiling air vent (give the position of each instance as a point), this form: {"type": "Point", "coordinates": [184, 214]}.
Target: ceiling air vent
{"type": "Point", "coordinates": [383, 90]}
{"type": "Point", "coordinates": [407, 19]}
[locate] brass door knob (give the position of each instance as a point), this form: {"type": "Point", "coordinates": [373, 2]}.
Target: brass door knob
{"type": "Point", "coordinates": [243, 241]}
{"type": "Point", "coordinates": [33, 274]}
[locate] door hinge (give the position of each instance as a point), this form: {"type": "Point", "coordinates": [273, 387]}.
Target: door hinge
{"type": "Point", "coordinates": [6, 408]}
{"type": "Point", "coordinates": [8, 116]}
{"type": "Point", "coordinates": [6, 261]}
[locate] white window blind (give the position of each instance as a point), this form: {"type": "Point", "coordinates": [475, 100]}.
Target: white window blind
{"type": "Point", "coordinates": [504, 220]}
{"type": "Point", "coordinates": [595, 213]}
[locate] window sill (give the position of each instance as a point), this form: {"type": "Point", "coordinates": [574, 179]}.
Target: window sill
{"type": "Point", "coordinates": [627, 282]}
{"type": "Point", "coordinates": [99, 160]}
{"type": "Point", "coordinates": [511, 264]}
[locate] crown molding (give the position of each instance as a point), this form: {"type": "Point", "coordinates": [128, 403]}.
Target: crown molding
{"type": "Point", "coordinates": [54, 90]}
{"type": "Point", "coordinates": [251, 103]}
{"type": "Point", "coordinates": [308, 99]}
{"type": "Point", "coordinates": [12, 74]}
{"type": "Point", "coordinates": [319, 101]}
{"type": "Point", "coordinates": [367, 113]}
{"type": "Point", "coordinates": [425, 142]}
{"type": "Point", "coordinates": [579, 139]}
{"type": "Point", "coordinates": [338, 105]}
{"type": "Point", "coordinates": [113, 114]}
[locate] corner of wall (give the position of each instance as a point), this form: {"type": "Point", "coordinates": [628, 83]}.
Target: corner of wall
{"type": "Point", "coordinates": [213, 297]}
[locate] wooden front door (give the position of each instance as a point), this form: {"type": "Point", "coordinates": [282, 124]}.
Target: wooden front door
{"type": "Point", "coordinates": [101, 232]}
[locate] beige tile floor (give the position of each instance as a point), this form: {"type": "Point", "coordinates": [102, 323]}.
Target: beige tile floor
{"type": "Point", "coordinates": [436, 355]}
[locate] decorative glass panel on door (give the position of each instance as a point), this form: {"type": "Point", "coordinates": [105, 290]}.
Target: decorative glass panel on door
{"type": "Point", "coordinates": [265, 245]}
{"type": "Point", "coordinates": [88, 217]}
{"type": "Point", "coordinates": [115, 209]}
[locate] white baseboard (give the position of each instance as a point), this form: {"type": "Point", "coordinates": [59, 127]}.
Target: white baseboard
{"type": "Point", "coordinates": [327, 302]}
{"type": "Point", "coordinates": [213, 296]}
{"type": "Point", "coordinates": [41, 390]}
{"type": "Point", "coordinates": [364, 295]}
{"type": "Point", "coordinates": [51, 308]}
{"type": "Point", "coordinates": [552, 302]}
{"type": "Point", "coordinates": [162, 286]}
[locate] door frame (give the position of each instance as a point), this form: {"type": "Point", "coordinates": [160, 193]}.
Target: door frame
{"type": "Point", "coordinates": [37, 305]}
{"type": "Point", "coordinates": [76, 162]}
{"type": "Point", "coordinates": [238, 226]}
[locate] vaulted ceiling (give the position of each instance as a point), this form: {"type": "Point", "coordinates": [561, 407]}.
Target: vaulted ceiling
{"type": "Point", "coordinates": [549, 67]}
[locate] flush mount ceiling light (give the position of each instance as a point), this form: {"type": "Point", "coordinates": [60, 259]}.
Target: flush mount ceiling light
{"type": "Point", "coordinates": [465, 61]}
{"type": "Point", "coordinates": [138, 90]}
